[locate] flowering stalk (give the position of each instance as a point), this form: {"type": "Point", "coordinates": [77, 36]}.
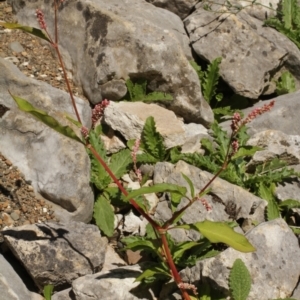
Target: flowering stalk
{"type": "Point", "coordinates": [43, 26]}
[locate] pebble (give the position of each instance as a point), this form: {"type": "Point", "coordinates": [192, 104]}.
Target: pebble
{"type": "Point", "coordinates": [12, 59]}
{"type": "Point", "coordinates": [16, 47]}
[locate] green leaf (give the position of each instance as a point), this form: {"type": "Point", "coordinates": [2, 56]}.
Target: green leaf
{"type": "Point", "coordinates": [153, 273]}
{"type": "Point", "coordinates": [47, 291]}
{"type": "Point", "coordinates": [207, 145]}
{"type": "Point", "coordinates": [287, 9]}
{"type": "Point", "coordinates": [267, 193]}
{"type": "Point", "coordinates": [191, 185]}
{"type": "Point", "coordinates": [120, 162]}
{"type": "Point", "coordinates": [198, 70]}
{"type": "Point", "coordinates": [158, 188]}
{"type": "Point", "coordinates": [104, 216]}
{"type": "Point", "coordinates": [181, 248]}
{"type": "Point", "coordinates": [289, 204]}
{"type": "Point", "coordinates": [34, 31]}
{"type": "Point", "coordinates": [138, 92]}
{"type": "Point", "coordinates": [115, 196]}
{"type": "Point", "coordinates": [211, 79]}
{"type": "Point", "coordinates": [285, 84]}
{"type": "Point", "coordinates": [99, 176]}
{"type": "Point", "coordinates": [218, 232]}
{"type": "Point", "coordinates": [246, 151]}
{"type": "Point", "coordinates": [46, 119]}
{"type": "Point", "coordinates": [152, 140]}
{"type": "Point", "coordinates": [239, 280]}
{"type": "Point", "coordinates": [221, 138]}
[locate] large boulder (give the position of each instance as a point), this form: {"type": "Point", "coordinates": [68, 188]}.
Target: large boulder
{"type": "Point", "coordinates": [57, 167]}
{"type": "Point", "coordinates": [111, 41]}
{"type": "Point", "coordinates": [252, 55]}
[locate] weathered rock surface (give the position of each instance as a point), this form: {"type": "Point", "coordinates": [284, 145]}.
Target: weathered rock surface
{"type": "Point", "coordinates": [114, 43]}
{"type": "Point", "coordinates": [109, 285]}
{"type": "Point", "coordinates": [129, 118]}
{"type": "Point", "coordinates": [276, 144]}
{"type": "Point", "coordinates": [181, 8]}
{"type": "Point", "coordinates": [57, 254]}
{"type": "Point", "coordinates": [274, 274]}
{"type": "Point", "coordinates": [228, 201]}
{"type": "Point", "coordinates": [252, 55]}
{"type": "Point", "coordinates": [57, 166]}
{"type": "Point", "coordinates": [283, 116]}
{"type": "Point", "coordinates": [11, 285]}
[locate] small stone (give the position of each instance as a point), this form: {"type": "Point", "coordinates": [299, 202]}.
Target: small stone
{"type": "Point", "coordinates": [16, 47]}
{"type": "Point", "coordinates": [15, 215]}
{"type": "Point", "coordinates": [12, 59]}
{"type": "Point", "coordinates": [7, 220]}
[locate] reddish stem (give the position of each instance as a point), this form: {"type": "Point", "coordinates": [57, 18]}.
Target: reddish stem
{"type": "Point", "coordinates": [171, 264]}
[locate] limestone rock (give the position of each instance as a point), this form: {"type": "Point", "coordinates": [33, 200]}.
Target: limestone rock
{"type": "Point", "coordinates": [57, 166]}
{"type": "Point", "coordinates": [57, 253]}
{"type": "Point", "coordinates": [228, 201]}
{"type": "Point", "coordinates": [129, 118]}
{"type": "Point", "coordinates": [249, 58]}
{"type": "Point", "coordinates": [283, 116]}
{"type": "Point", "coordinates": [113, 43]}
{"type": "Point", "coordinates": [274, 274]}
{"type": "Point", "coordinates": [181, 8]}
{"type": "Point", "coordinates": [11, 285]}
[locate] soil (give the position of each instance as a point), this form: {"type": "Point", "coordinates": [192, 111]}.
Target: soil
{"type": "Point", "coordinates": [19, 204]}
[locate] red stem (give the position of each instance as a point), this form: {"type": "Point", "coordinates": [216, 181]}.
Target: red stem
{"type": "Point", "coordinates": [172, 266]}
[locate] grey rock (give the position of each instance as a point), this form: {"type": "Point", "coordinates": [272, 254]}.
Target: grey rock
{"type": "Point", "coordinates": [273, 273]}
{"type": "Point", "coordinates": [181, 8]}
{"type": "Point", "coordinates": [11, 285]}
{"type": "Point", "coordinates": [228, 201]}
{"type": "Point", "coordinates": [129, 118]}
{"type": "Point", "coordinates": [57, 166]}
{"type": "Point", "coordinates": [16, 47]}
{"type": "Point", "coordinates": [283, 116]}
{"type": "Point", "coordinates": [276, 144]}
{"type": "Point", "coordinates": [114, 43]}
{"type": "Point", "coordinates": [114, 89]}
{"type": "Point", "coordinates": [249, 59]}
{"type": "Point", "coordinates": [57, 253]}
{"type": "Point", "coordinates": [103, 285]}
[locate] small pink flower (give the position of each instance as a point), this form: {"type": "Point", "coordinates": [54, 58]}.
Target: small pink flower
{"type": "Point", "coordinates": [258, 111]}
{"type": "Point", "coordinates": [188, 286]}
{"type": "Point", "coordinates": [41, 19]}
{"type": "Point", "coordinates": [205, 203]}
{"type": "Point", "coordinates": [235, 124]}
{"type": "Point", "coordinates": [98, 110]}
{"type": "Point", "coordinates": [234, 146]}
{"type": "Point", "coordinates": [84, 132]}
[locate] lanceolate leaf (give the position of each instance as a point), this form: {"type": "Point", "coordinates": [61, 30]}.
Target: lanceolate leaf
{"type": "Point", "coordinates": [34, 31]}
{"type": "Point", "coordinates": [46, 119]}
{"type": "Point", "coordinates": [218, 232]}
{"type": "Point", "coordinates": [289, 203]}
{"type": "Point", "coordinates": [152, 140]}
{"type": "Point", "coordinates": [211, 80]}
{"type": "Point", "coordinates": [104, 216]}
{"type": "Point", "coordinates": [239, 280]}
{"type": "Point", "coordinates": [47, 291]}
{"type": "Point", "coordinates": [190, 183]}
{"type": "Point", "coordinates": [267, 193]}
{"type": "Point", "coordinates": [158, 188]}
{"type": "Point", "coordinates": [98, 174]}
{"type": "Point", "coordinates": [120, 162]}
{"type": "Point", "coordinates": [153, 273]}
